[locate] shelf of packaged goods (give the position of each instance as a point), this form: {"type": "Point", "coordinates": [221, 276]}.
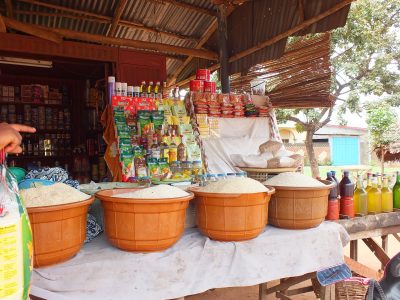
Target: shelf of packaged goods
{"type": "Point", "coordinates": [41, 131]}
{"type": "Point", "coordinates": [36, 104]}
{"type": "Point", "coordinates": [38, 157]}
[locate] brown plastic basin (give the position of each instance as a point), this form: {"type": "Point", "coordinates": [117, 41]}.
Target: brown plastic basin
{"type": "Point", "coordinates": [232, 217]}
{"type": "Point", "coordinates": [143, 225]}
{"type": "Point", "coordinates": [58, 231]}
{"type": "Point", "coordinates": [299, 207]}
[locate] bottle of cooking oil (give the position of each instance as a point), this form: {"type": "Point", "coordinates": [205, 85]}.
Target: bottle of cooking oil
{"type": "Point", "coordinates": [360, 198]}
{"type": "Point", "coordinates": [387, 196]}
{"type": "Point", "coordinates": [369, 182]}
{"type": "Point", "coordinates": [396, 192]}
{"type": "Point", "coordinates": [379, 180]}
{"type": "Point", "coordinates": [374, 197]}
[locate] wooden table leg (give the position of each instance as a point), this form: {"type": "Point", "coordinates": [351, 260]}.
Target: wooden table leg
{"type": "Point", "coordinates": [354, 250]}
{"type": "Point", "coordinates": [328, 292]}
{"type": "Point", "coordinates": [262, 291]}
{"type": "Point", "coordinates": [385, 247]}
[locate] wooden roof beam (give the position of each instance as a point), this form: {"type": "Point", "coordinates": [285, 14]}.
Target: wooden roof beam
{"type": "Point", "coordinates": [277, 38]}
{"type": "Point", "coordinates": [137, 44]}
{"type": "Point", "coordinates": [3, 27]}
{"type": "Point", "coordinates": [33, 30]}
{"type": "Point", "coordinates": [204, 38]}
{"type": "Point", "coordinates": [93, 17]}
{"type": "Point", "coordinates": [192, 7]}
{"type": "Point", "coordinates": [291, 31]}
{"type": "Point", "coordinates": [117, 16]}
{"type": "Point", "coordinates": [9, 8]}
{"type": "Point", "coordinates": [300, 9]}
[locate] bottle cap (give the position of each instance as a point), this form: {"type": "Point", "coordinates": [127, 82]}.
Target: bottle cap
{"type": "Point", "coordinates": [328, 174]}
{"type": "Point", "coordinates": [111, 78]}
{"type": "Point", "coordinates": [346, 173]}
{"type": "Point", "coordinates": [130, 89]}
{"type": "Point", "coordinates": [118, 85]}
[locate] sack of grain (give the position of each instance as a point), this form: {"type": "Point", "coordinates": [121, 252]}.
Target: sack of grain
{"type": "Point", "coordinates": [282, 152]}
{"type": "Point", "coordinates": [298, 158]}
{"type": "Point", "coordinates": [287, 162]}
{"type": "Point", "coordinates": [255, 161]}
{"type": "Point", "coordinates": [270, 146]}
{"type": "Point", "coordinates": [273, 163]}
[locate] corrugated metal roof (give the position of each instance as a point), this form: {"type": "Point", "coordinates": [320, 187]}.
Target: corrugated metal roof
{"type": "Point", "coordinates": [250, 23]}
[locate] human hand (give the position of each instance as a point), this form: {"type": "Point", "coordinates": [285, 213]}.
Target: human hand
{"type": "Point", "coordinates": [10, 137]}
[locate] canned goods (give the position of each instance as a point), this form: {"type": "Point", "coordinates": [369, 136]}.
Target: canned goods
{"type": "Point", "coordinates": [197, 86]}
{"type": "Point", "coordinates": [210, 87]}
{"type": "Point", "coordinates": [203, 74]}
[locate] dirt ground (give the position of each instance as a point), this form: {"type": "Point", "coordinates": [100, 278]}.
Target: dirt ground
{"type": "Point", "coordinates": [251, 293]}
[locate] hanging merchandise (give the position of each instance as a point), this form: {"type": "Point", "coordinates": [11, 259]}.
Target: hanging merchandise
{"type": "Point", "coordinates": [15, 239]}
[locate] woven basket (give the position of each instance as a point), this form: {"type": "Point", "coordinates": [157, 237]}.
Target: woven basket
{"type": "Point", "coordinates": [344, 290]}
{"type": "Point", "coordinates": [261, 175]}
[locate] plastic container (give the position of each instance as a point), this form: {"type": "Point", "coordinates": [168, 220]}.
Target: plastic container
{"type": "Point", "coordinates": [143, 225]}
{"type": "Point", "coordinates": [299, 207]}
{"type": "Point", "coordinates": [58, 231]}
{"type": "Point", "coordinates": [232, 217]}
{"type": "Point", "coordinates": [31, 183]}
{"type": "Point", "coordinates": [346, 188]}
{"type": "Point", "coordinates": [333, 194]}
{"type": "Point", "coordinates": [19, 173]}
{"type": "Point", "coordinates": [360, 199]}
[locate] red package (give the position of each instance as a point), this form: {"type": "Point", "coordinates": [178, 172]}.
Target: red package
{"type": "Point", "coordinates": [197, 86]}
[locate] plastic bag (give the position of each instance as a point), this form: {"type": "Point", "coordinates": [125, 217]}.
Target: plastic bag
{"type": "Point", "coordinates": [16, 249]}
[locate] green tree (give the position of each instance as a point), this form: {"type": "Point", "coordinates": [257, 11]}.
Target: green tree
{"type": "Point", "coordinates": [366, 61]}
{"type": "Point", "coordinates": [382, 127]}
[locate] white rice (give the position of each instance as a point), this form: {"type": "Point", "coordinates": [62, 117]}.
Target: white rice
{"type": "Point", "coordinates": [235, 186]}
{"type": "Point", "coordinates": [58, 193]}
{"type": "Point", "coordinates": [293, 179]}
{"type": "Point", "coordinates": [161, 191]}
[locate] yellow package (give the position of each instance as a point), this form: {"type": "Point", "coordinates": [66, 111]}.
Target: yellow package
{"type": "Point", "coordinates": [180, 120]}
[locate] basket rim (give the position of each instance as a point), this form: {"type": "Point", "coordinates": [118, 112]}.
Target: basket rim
{"type": "Point", "coordinates": [106, 196]}
{"type": "Point", "coordinates": [48, 208]}
{"type": "Point", "coordinates": [328, 185]}
{"type": "Point", "coordinates": [227, 195]}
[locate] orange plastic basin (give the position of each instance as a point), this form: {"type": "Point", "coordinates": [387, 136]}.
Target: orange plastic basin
{"type": "Point", "coordinates": [299, 207]}
{"type": "Point", "coordinates": [143, 225]}
{"type": "Point", "coordinates": [58, 231]}
{"type": "Point", "coordinates": [232, 217]}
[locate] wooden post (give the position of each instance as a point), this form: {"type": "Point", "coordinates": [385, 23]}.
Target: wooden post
{"type": "Point", "coordinates": [354, 250]}
{"type": "Point", "coordinates": [262, 291]}
{"type": "Point", "coordinates": [223, 48]}
{"type": "Point", "coordinates": [385, 240]}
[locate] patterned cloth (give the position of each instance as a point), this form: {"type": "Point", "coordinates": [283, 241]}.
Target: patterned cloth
{"type": "Point", "coordinates": [53, 174]}
{"type": "Point", "coordinates": [93, 228]}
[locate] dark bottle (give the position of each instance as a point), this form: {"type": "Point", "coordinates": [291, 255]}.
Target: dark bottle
{"type": "Point", "coordinates": [346, 188]}
{"type": "Point", "coordinates": [334, 177]}
{"type": "Point", "coordinates": [333, 194]}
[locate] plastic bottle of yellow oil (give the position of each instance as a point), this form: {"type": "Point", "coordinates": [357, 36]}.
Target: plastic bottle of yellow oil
{"type": "Point", "coordinates": [374, 197]}
{"type": "Point", "coordinates": [387, 196]}
{"type": "Point", "coordinates": [369, 182]}
{"type": "Point", "coordinates": [360, 198]}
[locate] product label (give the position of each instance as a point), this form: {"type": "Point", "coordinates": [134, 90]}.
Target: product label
{"type": "Point", "coordinates": [10, 260]}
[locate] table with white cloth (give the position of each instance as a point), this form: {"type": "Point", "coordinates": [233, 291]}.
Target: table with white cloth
{"type": "Point", "coordinates": [193, 265]}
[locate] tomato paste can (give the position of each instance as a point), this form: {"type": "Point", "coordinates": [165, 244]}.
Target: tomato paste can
{"type": "Point", "coordinates": [197, 86]}
{"type": "Point", "coordinates": [210, 87]}
{"type": "Point", "coordinates": [203, 74]}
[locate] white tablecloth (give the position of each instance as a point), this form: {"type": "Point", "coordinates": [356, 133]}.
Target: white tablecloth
{"type": "Point", "coordinates": [193, 265]}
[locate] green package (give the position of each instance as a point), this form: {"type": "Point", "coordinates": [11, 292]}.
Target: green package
{"type": "Point", "coordinates": [127, 165]}
{"type": "Point", "coordinates": [185, 129]}
{"type": "Point", "coordinates": [189, 140]}
{"type": "Point", "coordinates": [144, 121]}
{"type": "Point", "coordinates": [194, 153]}
{"type": "Point", "coordinates": [164, 167]}
{"type": "Point", "coordinates": [157, 117]}
{"type": "Point", "coordinates": [179, 111]}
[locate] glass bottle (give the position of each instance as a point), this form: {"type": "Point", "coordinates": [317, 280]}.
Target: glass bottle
{"type": "Point", "coordinates": [396, 192]}
{"type": "Point", "coordinates": [369, 182]}
{"type": "Point", "coordinates": [333, 194]}
{"type": "Point", "coordinates": [374, 197]}
{"type": "Point", "coordinates": [387, 196]}
{"type": "Point", "coordinates": [155, 148]}
{"type": "Point", "coordinates": [173, 151]}
{"type": "Point", "coordinates": [143, 89]}
{"type": "Point", "coordinates": [181, 151]}
{"type": "Point", "coordinates": [379, 176]}
{"type": "Point", "coordinates": [164, 149]}
{"type": "Point", "coordinates": [360, 198]}
{"type": "Point", "coordinates": [150, 90]}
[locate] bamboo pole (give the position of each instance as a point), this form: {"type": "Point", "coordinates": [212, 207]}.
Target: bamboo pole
{"type": "Point", "coordinates": [93, 17]}
{"type": "Point", "coordinates": [300, 9]}
{"type": "Point", "coordinates": [117, 16]}
{"type": "Point", "coordinates": [291, 31]}
{"type": "Point", "coordinates": [33, 30]}
{"type": "Point", "coordinates": [163, 48]}
{"type": "Point", "coordinates": [3, 27]}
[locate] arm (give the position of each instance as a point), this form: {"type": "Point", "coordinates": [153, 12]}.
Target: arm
{"type": "Point", "coordinates": [10, 137]}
